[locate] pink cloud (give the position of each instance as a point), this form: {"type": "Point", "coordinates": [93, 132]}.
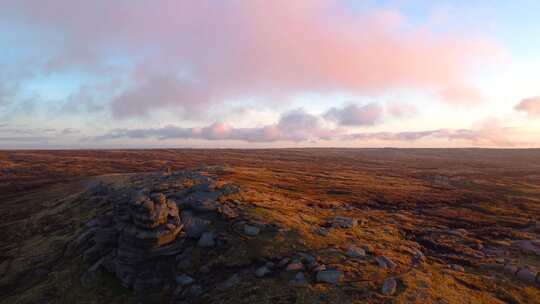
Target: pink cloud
{"type": "Point", "coordinates": [531, 106]}
{"type": "Point", "coordinates": [207, 52]}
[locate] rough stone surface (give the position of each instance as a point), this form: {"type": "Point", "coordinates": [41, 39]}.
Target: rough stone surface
{"type": "Point", "coordinates": [330, 276]}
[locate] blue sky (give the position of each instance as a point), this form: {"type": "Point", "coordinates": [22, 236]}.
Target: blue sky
{"type": "Point", "coordinates": [259, 74]}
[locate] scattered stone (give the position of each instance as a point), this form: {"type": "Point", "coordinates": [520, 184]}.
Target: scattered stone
{"type": "Point", "coordinates": [251, 230]}
{"type": "Point", "coordinates": [230, 282]}
{"type": "Point", "coordinates": [323, 231]}
{"type": "Point", "coordinates": [457, 267]}
{"type": "Point", "coordinates": [526, 275]}
{"type": "Point", "coordinates": [389, 286]}
{"type": "Point", "coordinates": [184, 280]}
{"type": "Point", "coordinates": [345, 222]}
{"type": "Point", "coordinates": [330, 276]}
{"type": "Point", "coordinates": [295, 265]}
{"type": "Point", "coordinates": [355, 252]}
{"type": "Point", "coordinates": [262, 271]}
{"type": "Point", "coordinates": [206, 240]}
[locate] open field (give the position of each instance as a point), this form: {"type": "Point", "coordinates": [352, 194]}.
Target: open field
{"type": "Point", "coordinates": [453, 221]}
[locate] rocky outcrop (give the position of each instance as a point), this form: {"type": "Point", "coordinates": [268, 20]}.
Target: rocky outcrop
{"type": "Point", "coordinates": [150, 221]}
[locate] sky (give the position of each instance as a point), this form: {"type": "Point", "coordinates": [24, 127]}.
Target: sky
{"type": "Point", "coordinates": [266, 74]}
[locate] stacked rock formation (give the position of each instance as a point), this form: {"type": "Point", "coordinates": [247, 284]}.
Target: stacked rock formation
{"type": "Point", "coordinates": [141, 234]}
{"type": "Point", "coordinates": [149, 231]}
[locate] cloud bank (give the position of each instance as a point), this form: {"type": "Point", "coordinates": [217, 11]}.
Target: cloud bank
{"type": "Point", "coordinates": [193, 55]}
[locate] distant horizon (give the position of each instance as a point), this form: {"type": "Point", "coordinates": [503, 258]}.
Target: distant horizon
{"type": "Point", "coordinates": [272, 74]}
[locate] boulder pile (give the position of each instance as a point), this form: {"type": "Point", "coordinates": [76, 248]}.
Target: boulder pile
{"type": "Point", "coordinates": [141, 236]}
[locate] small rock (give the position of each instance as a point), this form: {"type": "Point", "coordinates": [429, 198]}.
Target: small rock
{"type": "Point", "coordinates": [355, 252]}
{"type": "Point", "coordinates": [389, 286]}
{"type": "Point", "coordinates": [323, 231]}
{"type": "Point", "coordinates": [251, 230]}
{"type": "Point", "coordinates": [184, 280]}
{"type": "Point", "coordinates": [206, 240]}
{"type": "Point", "coordinates": [526, 275]}
{"type": "Point", "coordinates": [295, 265]}
{"type": "Point", "coordinates": [262, 271]}
{"type": "Point", "coordinates": [330, 276]}
{"type": "Point", "coordinates": [457, 267]}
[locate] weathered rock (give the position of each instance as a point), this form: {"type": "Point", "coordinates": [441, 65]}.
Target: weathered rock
{"type": "Point", "coordinates": [330, 276]}
{"type": "Point", "coordinates": [206, 240]}
{"type": "Point", "coordinates": [355, 252]}
{"type": "Point", "coordinates": [526, 275]}
{"type": "Point", "coordinates": [389, 286]}
{"type": "Point", "coordinates": [251, 230]}
{"type": "Point", "coordinates": [324, 231]}
{"type": "Point", "coordinates": [184, 280]}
